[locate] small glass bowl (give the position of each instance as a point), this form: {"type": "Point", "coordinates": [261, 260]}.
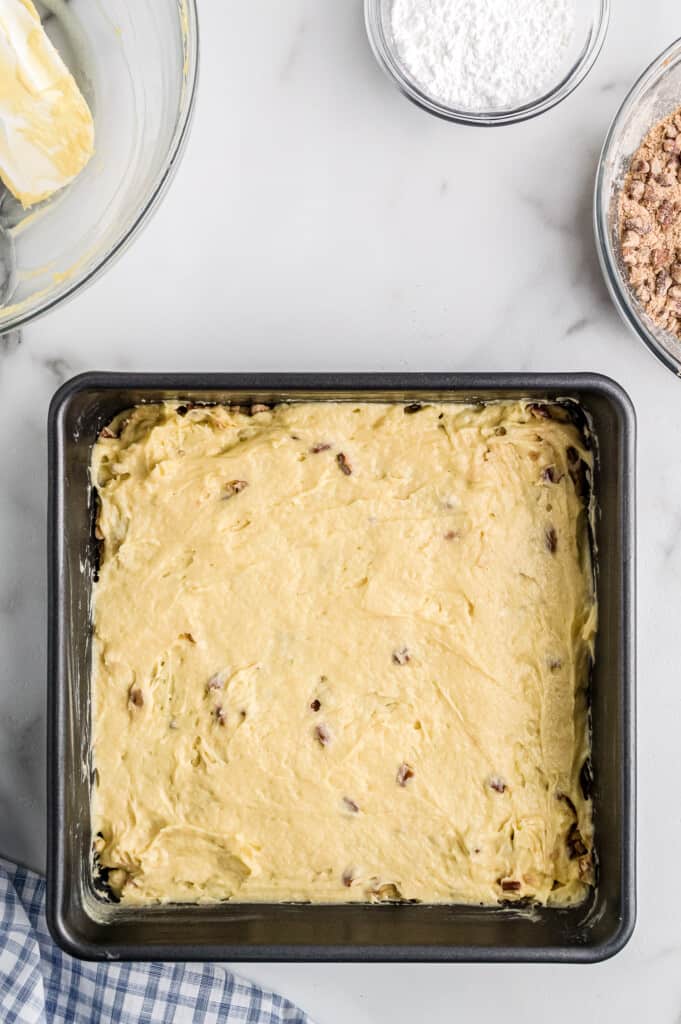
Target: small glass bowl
{"type": "Point", "coordinates": [655, 95]}
{"type": "Point", "coordinates": [591, 28]}
{"type": "Point", "coordinates": [136, 62]}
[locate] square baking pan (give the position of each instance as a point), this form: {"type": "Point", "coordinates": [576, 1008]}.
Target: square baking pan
{"type": "Point", "coordinates": [88, 925]}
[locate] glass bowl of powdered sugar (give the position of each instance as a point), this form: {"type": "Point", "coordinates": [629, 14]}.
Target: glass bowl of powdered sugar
{"type": "Point", "coordinates": [487, 62]}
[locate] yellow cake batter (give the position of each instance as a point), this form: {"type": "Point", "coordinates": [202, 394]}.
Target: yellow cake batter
{"type": "Point", "coordinates": [46, 128]}
{"type": "Point", "coordinates": [341, 653]}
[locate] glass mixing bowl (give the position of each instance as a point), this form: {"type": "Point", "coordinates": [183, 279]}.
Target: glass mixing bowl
{"type": "Point", "coordinates": [656, 94]}
{"type": "Point", "coordinates": [136, 63]}
{"type": "Point", "coordinates": [592, 18]}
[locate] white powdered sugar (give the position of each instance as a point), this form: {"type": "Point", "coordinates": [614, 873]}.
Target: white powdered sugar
{"type": "Point", "coordinates": [483, 54]}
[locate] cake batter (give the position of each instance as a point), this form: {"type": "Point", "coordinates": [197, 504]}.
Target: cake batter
{"type": "Point", "coordinates": [341, 654]}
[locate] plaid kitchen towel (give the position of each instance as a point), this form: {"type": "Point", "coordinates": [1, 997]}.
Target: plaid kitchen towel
{"type": "Point", "coordinates": [41, 985]}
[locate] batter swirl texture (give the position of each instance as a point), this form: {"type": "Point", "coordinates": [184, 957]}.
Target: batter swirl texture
{"type": "Point", "coordinates": [341, 654]}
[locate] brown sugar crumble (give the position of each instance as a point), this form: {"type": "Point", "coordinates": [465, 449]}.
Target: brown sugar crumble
{"type": "Point", "coordinates": [650, 224]}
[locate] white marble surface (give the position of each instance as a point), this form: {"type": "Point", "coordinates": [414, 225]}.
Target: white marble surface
{"type": "Point", "coordinates": [319, 221]}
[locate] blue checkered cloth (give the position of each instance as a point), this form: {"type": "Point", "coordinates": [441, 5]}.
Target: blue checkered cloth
{"type": "Point", "coordinates": [41, 985]}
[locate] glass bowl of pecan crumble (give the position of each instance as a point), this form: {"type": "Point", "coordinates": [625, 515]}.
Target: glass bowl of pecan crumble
{"type": "Point", "coordinates": [637, 210]}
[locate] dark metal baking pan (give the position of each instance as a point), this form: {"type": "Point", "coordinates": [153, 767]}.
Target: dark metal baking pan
{"type": "Point", "coordinates": [86, 925]}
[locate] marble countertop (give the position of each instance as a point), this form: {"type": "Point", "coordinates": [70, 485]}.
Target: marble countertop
{"type": "Point", "coordinates": [319, 221]}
